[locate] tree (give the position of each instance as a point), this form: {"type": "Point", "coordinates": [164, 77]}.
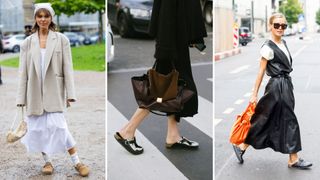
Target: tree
{"type": "Point", "coordinates": [291, 9]}
{"type": "Point", "coordinates": [318, 17]}
{"type": "Point", "coordinates": [70, 7]}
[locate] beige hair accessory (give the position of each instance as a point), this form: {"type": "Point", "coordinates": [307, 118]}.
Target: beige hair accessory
{"type": "Point", "coordinates": [46, 6]}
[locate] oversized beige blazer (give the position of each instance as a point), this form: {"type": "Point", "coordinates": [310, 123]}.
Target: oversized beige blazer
{"type": "Point", "coordinates": [58, 83]}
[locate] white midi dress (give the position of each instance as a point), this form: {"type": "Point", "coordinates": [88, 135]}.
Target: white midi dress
{"type": "Point", "coordinates": [48, 132]}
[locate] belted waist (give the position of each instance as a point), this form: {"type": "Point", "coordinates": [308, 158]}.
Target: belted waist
{"type": "Point", "coordinates": [285, 75]}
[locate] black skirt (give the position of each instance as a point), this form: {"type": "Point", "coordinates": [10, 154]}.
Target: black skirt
{"type": "Point", "coordinates": [274, 123]}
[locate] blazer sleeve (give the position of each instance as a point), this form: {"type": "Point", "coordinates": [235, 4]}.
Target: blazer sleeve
{"type": "Point", "coordinates": [23, 73]}
{"type": "Point", "coordinates": [68, 68]}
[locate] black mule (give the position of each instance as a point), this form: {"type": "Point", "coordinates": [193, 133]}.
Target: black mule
{"type": "Point", "coordinates": [130, 145]}
{"type": "Point", "coordinates": [300, 164]}
{"type": "Point", "coordinates": [239, 153]}
{"type": "Point", "coordinates": [184, 143]}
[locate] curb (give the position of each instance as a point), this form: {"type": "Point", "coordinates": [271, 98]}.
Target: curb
{"type": "Point", "coordinates": [224, 54]}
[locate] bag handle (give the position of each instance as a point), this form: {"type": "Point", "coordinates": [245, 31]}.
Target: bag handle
{"type": "Point", "coordinates": [155, 65]}
{"type": "Point", "coordinates": [16, 116]}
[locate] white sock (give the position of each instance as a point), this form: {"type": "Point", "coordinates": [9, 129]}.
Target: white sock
{"type": "Point", "coordinates": [46, 157]}
{"type": "Point", "coordinates": [75, 158]}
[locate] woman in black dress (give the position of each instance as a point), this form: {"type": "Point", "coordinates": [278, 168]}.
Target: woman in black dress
{"type": "Point", "coordinates": [176, 25]}
{"type": "Point", "coordinates": [274, 123]}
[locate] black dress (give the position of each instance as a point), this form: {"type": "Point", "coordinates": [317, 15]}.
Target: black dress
{"type": "Point", "coordinates": [274, 123]}
{"type": "Point", "coordinates": [176, 24]}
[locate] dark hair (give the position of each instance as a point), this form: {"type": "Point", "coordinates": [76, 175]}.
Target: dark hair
{"type": "Point", "coordinates": [52, 25]}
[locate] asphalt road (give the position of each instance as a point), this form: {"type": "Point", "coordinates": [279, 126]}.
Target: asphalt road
{"type": "Point", "coordinates": [134, 57]}
{"type": "Point", "coordinates": [234, 81]}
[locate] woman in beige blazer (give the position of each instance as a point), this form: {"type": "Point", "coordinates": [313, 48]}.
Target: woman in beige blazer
{"type": "Point", "coordinates": [46, 87]}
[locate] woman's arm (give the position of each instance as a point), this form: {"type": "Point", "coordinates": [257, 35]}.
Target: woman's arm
{"type": "Point", "coordinates": [262, 70]}
{"type": "Point", "coordinates": [23, 75]}
{"type": "Point", "coordinates": [68, 70]}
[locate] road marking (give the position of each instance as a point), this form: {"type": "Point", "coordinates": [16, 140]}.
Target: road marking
{"type": "Point", "coordinates": [239, 69]}
{"type": "Point", "coordinates": [210, 79]}
{"type": "Point", "coordinates": [123, 165]}
{"type": "Point", "coordinates": [147, 68]}
{"type": "Point", "coordinates": [299, 51]}
{"type": "Point", "coordinates": [308, 82]}
{"type": "Point", "coordinates": [239, 101]}
{"type": "Point", "coordinates": [224, 166]}
{"type": "Point", "coordinates": [228, 111]}
{"type": "Point", "coordinates": [203, 120]}
{"type": "Point", "coordinates": [216, 121]}
{"type": "Point", "coordinates": [247, 94]}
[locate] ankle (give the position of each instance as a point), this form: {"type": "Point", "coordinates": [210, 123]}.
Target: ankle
{"type": "Point", "coordinates": [75, 158]}
{"type": "Point", "coordinates": [126, 134]}
{"type": "Point", "coordinates": [293, 158]}
{"type": "Point", "coordinates": [243, 146]}
{"type": "Point", "coordinates": [173, 139]}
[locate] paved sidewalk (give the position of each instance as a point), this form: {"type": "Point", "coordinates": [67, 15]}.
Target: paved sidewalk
{"type": "Point", "coordinates": [86, 121]}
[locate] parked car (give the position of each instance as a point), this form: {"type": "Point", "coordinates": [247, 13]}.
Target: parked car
{"type": "Point", "coordinates": [73, 38]}
{"type": "Point", "coordinates": [110, 44]}
{"type": "Point", "coordinates": [83, 38]}
{"type": "Point", "coordinates": [1, 46]}
{"type": "Point", "coordinates": [130, 16]}
{"type": "Point", "coordinates": [245, 36]}
{"type": "Point", "coordinates": [207, 11]}
{"type": "Point", "coordinates": [94, 38]}
{"type": "Point", "coordinates": [12, 42]}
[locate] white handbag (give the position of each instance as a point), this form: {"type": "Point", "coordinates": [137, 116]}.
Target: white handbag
{"type": "Point", "coordinates": [20, 130]}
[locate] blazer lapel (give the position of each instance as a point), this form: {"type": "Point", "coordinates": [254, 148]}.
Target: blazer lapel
{"type": "Point", "coordinates": [36, 53]}
{"type": "Point", "coordinates": [50, 45]}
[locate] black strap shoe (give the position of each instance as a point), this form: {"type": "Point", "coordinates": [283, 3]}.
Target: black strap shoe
{"type": "Point", "coordinates": [239, 153]}
{"type": "Point", "coordinates": [184, 143]}
{"type": "Point", "coordinates": [300, 164]}
{"type": "Point", "coordinates": [129, 145]}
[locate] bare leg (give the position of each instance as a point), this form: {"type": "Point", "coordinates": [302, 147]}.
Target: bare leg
{"type": "Point", "coordinates": [243, 146]}
{"type": "Point", "coordinates": [173, 134]}
{"type": "Point", "coordinates": [128, 131]}
{"type": "Point", "coordinates": [72, 150]}
{"type": "Point", "coordinates": [293, 158]}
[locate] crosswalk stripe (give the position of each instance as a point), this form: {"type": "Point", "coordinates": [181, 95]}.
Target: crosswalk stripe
{"type": "Point", "coordinates": [216, 121]}
{"type": "Point", "coordinates": [203, 120]}
{"type": "Point", "coordinates": [239, 69]}
{"type": "Point", "coordinates": [239, 101]}
{"type": "Point", "coordinates": [228, 111]}
{"type": "Point", "coordinates": [143, 166]}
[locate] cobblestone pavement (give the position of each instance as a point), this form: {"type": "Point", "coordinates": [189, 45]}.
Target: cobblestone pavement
{"type": "Point", "coordinates": [86, 122]}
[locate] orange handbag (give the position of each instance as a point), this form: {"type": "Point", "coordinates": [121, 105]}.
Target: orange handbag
{"type": "Point", "coordinates": [241, 127]}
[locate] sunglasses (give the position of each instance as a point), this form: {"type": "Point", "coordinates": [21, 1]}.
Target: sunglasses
{"type": "Point", "coordinates": [277, 26]}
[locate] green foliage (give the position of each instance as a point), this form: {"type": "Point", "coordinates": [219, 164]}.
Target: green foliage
{"type": "Point", "coordinates": [291, 10]}
{"type": "Point", "coordinates": [70, 7]}
{"type": "Point", "coordinates": [318, 17]}
{"type": "Point", "coordinates": [84, 58]}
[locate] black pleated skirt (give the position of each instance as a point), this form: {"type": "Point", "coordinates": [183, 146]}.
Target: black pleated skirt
{"type": "Point", "coordinates": [274, 123]}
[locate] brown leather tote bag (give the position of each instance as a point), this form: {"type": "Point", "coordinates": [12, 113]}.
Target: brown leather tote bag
{"type": "Point", "coordinates": [158, 92]}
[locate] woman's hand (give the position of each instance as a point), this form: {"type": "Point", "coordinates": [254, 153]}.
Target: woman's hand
{"type": "Point", "coordinates": [253, 99]}
{"type": "Point", "coordinates": [70, 100]}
